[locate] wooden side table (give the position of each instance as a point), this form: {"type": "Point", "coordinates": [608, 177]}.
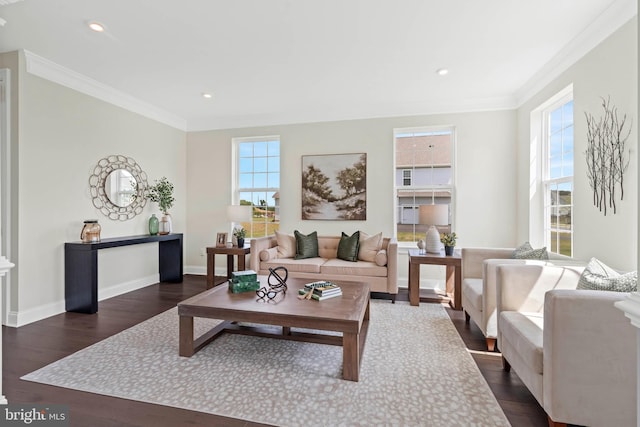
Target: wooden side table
{"type": "Point", "coordinates": [454, 275]}
{"type": "Point", "coordinates": [241, 253]}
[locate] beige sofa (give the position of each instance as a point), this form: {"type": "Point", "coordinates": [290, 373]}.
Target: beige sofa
{"type": "Point", "coordinates": [573, 349]}
{"type": "Point", "coordinates": [479, 286]}
{"type": "Point", "coordinates": [381, 274]}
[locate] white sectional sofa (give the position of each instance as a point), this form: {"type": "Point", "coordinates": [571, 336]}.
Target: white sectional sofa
{"type": "Point", "coordinates": [572, 348]}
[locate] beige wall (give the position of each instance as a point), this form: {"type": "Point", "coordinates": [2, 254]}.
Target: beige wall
{"type": "Point", "coordinates": [62, 135]}
{"type": "Point", "coordinates": [485, 188]}
{"type": "Point", "coordinates": [610, 69]}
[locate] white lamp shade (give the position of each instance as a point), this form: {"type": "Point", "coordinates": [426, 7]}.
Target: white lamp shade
{"type": "Point", "coordinates": [433, 214]}
{"type": "Point", "coordinates": [239, 213]}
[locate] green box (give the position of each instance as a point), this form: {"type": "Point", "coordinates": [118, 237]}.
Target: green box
{"type": "Point", "coordinates": [244, 276]}
{"type": "Point", "coordinates": [237, 287]}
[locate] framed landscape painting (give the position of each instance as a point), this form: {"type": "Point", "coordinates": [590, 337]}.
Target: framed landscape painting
{"type": "Point", "coordinates": [334, 187]}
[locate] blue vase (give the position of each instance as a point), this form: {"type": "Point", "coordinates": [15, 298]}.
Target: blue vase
{"type": "Point", "coordinates": [153, 225]}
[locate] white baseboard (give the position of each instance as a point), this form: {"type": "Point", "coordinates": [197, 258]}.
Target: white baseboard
{"type": "Point", "coordinates": [24, 317]}
{"type": "Point", "coordinates": [202, 271]}
{"type": "Point", "coordinates": [194, 269]}
{"type": "Point", "coordinates": [403, 282]}
{"type": "Point", "coordinates": [123, 288]}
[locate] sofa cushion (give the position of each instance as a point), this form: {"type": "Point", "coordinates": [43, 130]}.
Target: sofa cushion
{"type": "Point", "coordinates": [286, 245]}
{"type": "Point", "coordinates": [308, 265]}
{"type": "Point", "coordinates": [328, 246]}
{"type": "Point", "coordinates": [359, 268]}
{"type": "Point", "coordinates": [381, 258]}
{"type": "Point", "coordinates": [526, 251]}
{"type": "Point", "coordinates": [524, 331]}
{"type": "Point", "coordinates": [306, 245]}
{"type": "Point", "coordinates": [348, 247]}
{"type": "Point", "coordinates": [369, 246]}
{"type": "Point", "coordinates": [472, 291]}
{"type": "Point", "coordinates": [599, 277]}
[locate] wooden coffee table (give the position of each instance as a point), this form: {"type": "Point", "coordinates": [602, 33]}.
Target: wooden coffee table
{"type": "Point", "coordinates": [348, 314]}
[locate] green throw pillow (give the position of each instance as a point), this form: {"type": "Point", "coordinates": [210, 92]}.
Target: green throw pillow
{"type": "Point", "coordinates": [306, 246]}
{"type": "Point", "coordinates": [599, 277]}
{"type": "Point", "coordinates": [348, 247]}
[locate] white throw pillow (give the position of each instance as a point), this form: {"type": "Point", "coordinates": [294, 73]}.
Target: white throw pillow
{"type": "Point", "coordinates": [599, 277]}
{"type": "Point", "coordinates": [286, 245]}
{"type": "Point", "coordinates": [369, 246]}
{"type": "Point", "coordinates": [526, 251]}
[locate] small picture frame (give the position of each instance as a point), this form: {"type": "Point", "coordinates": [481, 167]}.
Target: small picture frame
{"type": "Point", "coordinates": [221, 240]}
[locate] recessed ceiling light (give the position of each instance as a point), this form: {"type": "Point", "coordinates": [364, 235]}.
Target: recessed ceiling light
{"type": "Point", "coordinates": [207, 95]}
{"type": "Point", "coordinates": [442, 71]}
{"type": "Point", "coordinates": [96, 26]}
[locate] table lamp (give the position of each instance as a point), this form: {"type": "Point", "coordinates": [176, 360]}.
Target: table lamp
{"type": "Point", "coordinates": [433, 215]}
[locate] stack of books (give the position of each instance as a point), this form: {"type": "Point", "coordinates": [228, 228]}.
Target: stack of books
{"type": "Point", "coordinates": [244, 281]}
{"type": "Point", "coordinates": [321, 290]}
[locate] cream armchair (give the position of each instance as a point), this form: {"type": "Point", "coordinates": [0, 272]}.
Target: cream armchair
{"type": "Point", "coordinates": [573, 349]}
{"type": "Point", "coordinates": [479, 285]}
{"type": "Point", "coordinates": [474, 294]}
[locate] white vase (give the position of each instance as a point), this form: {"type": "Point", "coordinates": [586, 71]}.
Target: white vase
{"type": "Point", "coordinates": [166, 226]}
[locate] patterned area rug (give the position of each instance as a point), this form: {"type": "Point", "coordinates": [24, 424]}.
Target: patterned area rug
{"type": "Point", "coordinates": [415, 371]}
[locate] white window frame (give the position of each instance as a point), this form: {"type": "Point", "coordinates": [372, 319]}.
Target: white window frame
{"type": "Point", "coordinates": [433, 187]}
{"type": "Point", "coordinates": [236, 190]}
{"type": "Point", "coordinates": [561, 98]}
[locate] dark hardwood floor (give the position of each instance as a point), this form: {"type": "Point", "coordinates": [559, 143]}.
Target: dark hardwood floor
{"type": "Point", "coordinates": [35, 345]}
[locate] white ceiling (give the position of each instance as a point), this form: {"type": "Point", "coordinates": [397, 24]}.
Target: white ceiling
{"type": "Point", "coordinates": [288, 61]}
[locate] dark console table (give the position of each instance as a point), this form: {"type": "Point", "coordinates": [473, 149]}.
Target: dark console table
{"type": "Point", "coordinates": [81, 267]}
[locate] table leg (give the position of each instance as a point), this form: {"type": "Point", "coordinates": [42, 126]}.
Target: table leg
{"type": "Point", "coordinates": [414, 284]}
{"type": "Point", "coordinates": [211, 265]}
{"type": "Point", "coordinates": [186, 336]}
{"type": "Point", "coordinates": [451, 277]}
{"type": "Point", "coordinates": [229, 266]}
{"type": "Point", "coordinates": [350, 356]}
{"type": "Point", "coordinates": [454, 286]}
{"type": "Point", "coordinates": [241, 262]}
{"type": "Point", "coordinates": [81, 280]}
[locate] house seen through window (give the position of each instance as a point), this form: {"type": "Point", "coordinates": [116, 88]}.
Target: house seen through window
{"type": "Point", "coordinates": [257, 183]}
{"type": "Point", "coordinates": [424, 176]}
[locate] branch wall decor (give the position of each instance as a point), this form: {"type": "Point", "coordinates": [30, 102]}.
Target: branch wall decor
{"type": "Point", "coordinates": [607, 156]}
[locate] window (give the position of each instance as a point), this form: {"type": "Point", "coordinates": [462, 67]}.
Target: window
{"type": "Point", "coordinates": [257, 182]}
{"type": "Point", "coordinates": [424, 176]}
{"type": "Point", "coordinates": [558, 175]}
{"type": "Point", "coordinates": [406, 177]}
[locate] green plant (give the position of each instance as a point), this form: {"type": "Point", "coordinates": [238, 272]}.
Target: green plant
{"type": "Point", "coordinates": [162, 194]}
{"type": "Point", "coordinates": [448, 239]}
{"type": "Point", "coordinates": [239, 232]}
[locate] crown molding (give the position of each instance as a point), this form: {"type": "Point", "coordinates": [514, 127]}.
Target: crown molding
{"type": "Point", "coordinates": [614, 17]}
{"type": "Point", "coordinates": [338, 115]}
{"type": "Point", "coordinates": [41, 67]}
